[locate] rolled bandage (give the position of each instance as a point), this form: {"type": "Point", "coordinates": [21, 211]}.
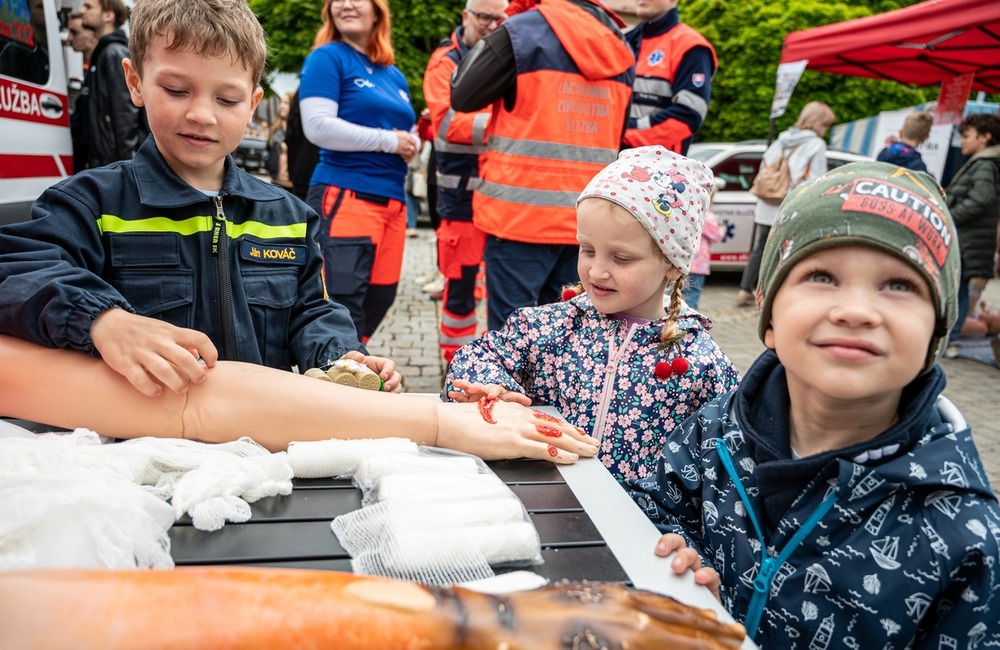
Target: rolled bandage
{"type": "Point", "coordinates": [316, 373]}
{"type": "Point", "coordinates": [508, 543]}
{"type": "Point", "coordinates": [328, 458]}
{"type": "Point", "coordinates": [362, 530]}
{"type": "Point", "coordinates": [437, 488]}
{"type": "Point", "coordinates": [373, 469]}
{"type": "Point", "coordinates": [357, 375]}
{"type": "Point", "coordinates": [472, 513]}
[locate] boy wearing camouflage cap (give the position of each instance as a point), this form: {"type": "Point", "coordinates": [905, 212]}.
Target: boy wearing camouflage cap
{"type": "Point", "coordinates": [836, 495]}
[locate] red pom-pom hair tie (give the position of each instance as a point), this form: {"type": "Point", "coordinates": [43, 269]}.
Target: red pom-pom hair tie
{"type": "Point", "coordinates": [569, 294]}
{"type": "Point", "coordinates": [678, 366]}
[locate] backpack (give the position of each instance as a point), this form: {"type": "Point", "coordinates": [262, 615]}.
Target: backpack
{"type": "Point", "coordinates": [274, 155]}
{"type": "Point", "coordinates": [302, 154]}
{"type": "Point", "coordinates": [774, 180]}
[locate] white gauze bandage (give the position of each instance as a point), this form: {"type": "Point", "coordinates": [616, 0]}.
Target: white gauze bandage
{"type": "Point", "coordinates": [372, 470]}
{"type": "Point", "coordinates": [438, 488]}
{"type": "Point", "coordinates": [340, 458]}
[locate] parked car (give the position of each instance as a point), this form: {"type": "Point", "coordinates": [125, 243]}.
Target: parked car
{"type": "Point", "coordinates": [251, 155]}
{"type": "Point", "coordinates": [737, 163]}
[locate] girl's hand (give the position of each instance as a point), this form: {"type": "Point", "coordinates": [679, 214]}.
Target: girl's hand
{"type": "Point", "coordinates": [473, 392]}
{"type": "Point", "coordinates": [687, 558]}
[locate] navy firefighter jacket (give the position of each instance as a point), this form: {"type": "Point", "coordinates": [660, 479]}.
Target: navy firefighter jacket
{"type": "Point", "coordinates": [243, 267]}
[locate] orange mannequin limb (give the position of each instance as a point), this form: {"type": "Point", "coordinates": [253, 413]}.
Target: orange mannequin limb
{"type": "Point", "coordinates": [70, 389]}
{"type": "Point", "coordinates": [244, 607]}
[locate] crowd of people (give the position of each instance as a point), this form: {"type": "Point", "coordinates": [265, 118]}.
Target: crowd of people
{"type": "Point", "coordinates": [830, 492]}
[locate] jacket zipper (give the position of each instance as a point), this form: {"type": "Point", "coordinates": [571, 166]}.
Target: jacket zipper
{"type": "Point", "coordinates": [220, 248]}
{"type": "Point", "coordinates": [610, 370]}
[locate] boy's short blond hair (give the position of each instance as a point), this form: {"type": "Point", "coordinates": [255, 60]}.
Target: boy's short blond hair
{"type": "Point", "coordinates": [208, 27]}
{"type": "Point", "coordinates": [917, 126]}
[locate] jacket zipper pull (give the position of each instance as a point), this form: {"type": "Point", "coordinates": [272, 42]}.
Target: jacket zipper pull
{"type": "Point", "coordinates": [220, 222]}
{"type": "Point", "coordinates": [220, 248]}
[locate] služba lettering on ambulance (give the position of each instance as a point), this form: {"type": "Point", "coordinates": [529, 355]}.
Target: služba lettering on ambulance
{"type": "Point", "coordinates": [36, 149]}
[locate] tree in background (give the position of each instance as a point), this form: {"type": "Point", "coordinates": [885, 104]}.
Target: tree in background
{"type": "Point", "coordinates": [747, 37]}
{"type": "Point", "coordinates": [417, 28]}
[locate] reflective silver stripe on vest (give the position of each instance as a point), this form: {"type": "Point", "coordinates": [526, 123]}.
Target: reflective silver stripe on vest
{"type": "Point", "coordinates": [457, 341]}
{"type": "Point", "coordinates": [443, 146]}
{"type": "Point", "coordinates": [449, 321]}
{"type": "Point", "coordinates": [652, 86]}
{"type": "Point", "coordinates": [478, 132]}
{"type": "Point", "coordinates": [642, 113]}
{"type": "Point", "coordinates": [524, 196]}
{"type": "Point", "coordinates": [451, 181]}
{"type": "Point", "coordinates": [692, 101]}
{"type": "Point", "coordinates": [445, 123]}
{"type": "Point", "coordinates": [479, 127]}
{"type": "Point", "coordinates": [553, 151]}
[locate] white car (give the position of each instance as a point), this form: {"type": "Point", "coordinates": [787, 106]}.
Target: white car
{"type": "Point", "coordinates": [737, 163]}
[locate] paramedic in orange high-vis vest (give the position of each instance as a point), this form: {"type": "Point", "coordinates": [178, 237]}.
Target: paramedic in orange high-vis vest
{"type": "Point", "coordinates": [560, 74]}
{"type": "Point", "coordinates": [674, 67]}
{"type": "Point", "coordinates": [459, 141]}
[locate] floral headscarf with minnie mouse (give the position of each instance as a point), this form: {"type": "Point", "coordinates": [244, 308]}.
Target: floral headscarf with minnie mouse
{"type": "Point", "coordinates": [668, 193]}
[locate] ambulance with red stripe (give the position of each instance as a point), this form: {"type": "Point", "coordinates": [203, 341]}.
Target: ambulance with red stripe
{"type": "Point", "coordinates": [35, 145]}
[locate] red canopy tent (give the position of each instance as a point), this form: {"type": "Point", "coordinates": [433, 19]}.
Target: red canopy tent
{"type": "Point", "coordinates": [921, 45]}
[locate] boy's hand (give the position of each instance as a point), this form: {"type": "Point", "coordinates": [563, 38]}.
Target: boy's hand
{"type": "Point", "coordinates": [386, 369]}
{"type": "Point", "coordinates": [473, 392]}
{"type": "Point", "coordinates": [687, 558]}
{"type": "Point", "coordinates": [150, 353]}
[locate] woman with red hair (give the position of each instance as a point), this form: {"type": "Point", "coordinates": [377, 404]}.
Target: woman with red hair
{"type": "Point", "coordinates": [355, 106]}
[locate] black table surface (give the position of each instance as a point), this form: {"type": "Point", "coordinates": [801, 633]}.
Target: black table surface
{"type": "Point", "coordinates": [293, 531]}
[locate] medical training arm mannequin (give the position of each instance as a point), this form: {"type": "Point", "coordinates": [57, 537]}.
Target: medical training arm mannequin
{"type": "Point", "coordinates": [70, 389]}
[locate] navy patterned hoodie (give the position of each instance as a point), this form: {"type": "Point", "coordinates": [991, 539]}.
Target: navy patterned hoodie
{"type": "Point", "coordinates": [891, 543]}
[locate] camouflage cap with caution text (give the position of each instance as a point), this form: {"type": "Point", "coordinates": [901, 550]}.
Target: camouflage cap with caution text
{"type": "Point", "coordinates": [893, 209]}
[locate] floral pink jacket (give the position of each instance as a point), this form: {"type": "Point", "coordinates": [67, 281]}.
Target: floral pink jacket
{"type": "Point", "coordinates": [599, 373]}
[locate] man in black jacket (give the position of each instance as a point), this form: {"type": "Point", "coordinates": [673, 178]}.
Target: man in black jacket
{"type": "Point", "coordinates": [114, 126]}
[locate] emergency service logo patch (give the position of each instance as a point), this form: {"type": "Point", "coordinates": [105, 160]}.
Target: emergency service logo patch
{"type": "Point", "coordinates": [698, 79]}
{"type": "Point", "coordinates": [655, 57]}
{"type": "Point", "coordinates": [284, 254]}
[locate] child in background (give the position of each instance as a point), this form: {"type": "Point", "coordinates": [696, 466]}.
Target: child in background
{"type": "Point", "coordinates": [836, 494]}
{"type": "Point", "coordinates": [903, 152]}
{"type": "Point", "coordinates": [611, 358]}
{"type": "Point", "coordinates": [701, 265]}
{"type": "Point", "coordinates": [163, 264]}
{"type": "Point", "coordinates": [974, 201]}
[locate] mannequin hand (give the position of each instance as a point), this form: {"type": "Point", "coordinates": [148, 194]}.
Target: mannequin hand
{"type": "Point", "coordinates": [150, 353]}
{"type": "Point", "coordinates": [473, 392]}
{"type": "Point", "coordinates": [517, 433]}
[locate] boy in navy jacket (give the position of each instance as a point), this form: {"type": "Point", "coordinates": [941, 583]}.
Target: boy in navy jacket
{"type": "Point", "coordinates": [836, 496]}
{"type": "Point", "coordinates": [166, 263]}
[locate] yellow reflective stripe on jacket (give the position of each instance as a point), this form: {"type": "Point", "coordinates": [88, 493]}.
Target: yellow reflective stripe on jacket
{"type": "Point", "coordinates": [109, 223]}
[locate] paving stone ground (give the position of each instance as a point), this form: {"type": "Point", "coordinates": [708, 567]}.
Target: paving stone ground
{"type": "Point", "coordinates": [409, 335]}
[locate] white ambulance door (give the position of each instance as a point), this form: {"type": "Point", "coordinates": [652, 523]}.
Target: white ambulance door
{"type": "Point", "coordinates": [35, 145]}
